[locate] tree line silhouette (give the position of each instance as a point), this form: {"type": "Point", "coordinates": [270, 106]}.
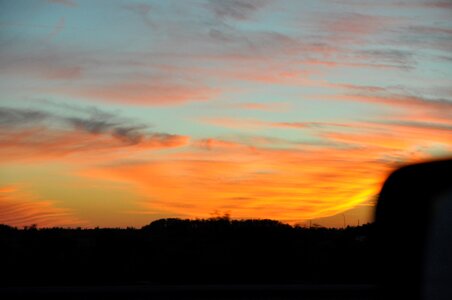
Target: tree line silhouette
{"type": "Point", "coordinates": [215, 250]}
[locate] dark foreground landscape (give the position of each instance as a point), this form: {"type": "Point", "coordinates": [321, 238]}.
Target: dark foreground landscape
{"type": "Point", "coordinates": [215, 258]}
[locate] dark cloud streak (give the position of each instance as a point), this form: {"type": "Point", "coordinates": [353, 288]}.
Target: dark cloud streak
{"type": "Point", "coordinates": [142, 11]}
{"type": "Point", "coordinates": [95, 122]}
{"type": "Point", "coordinates": [12, 117]}
{"type": "Point", "coordinates": [238, 10]}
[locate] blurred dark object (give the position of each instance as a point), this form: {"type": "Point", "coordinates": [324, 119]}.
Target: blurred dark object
{"type": "Point", "coordinates": [414, 233]}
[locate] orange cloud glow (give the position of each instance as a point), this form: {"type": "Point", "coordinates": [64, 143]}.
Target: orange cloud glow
{"type": "Point", "coordinates": [47, 144]}
{"type": "Point", "coordinates": [290, 185]}
{"type": "Point", "coordinates": [20, 208]}
{"type": "Point", "coordinates": [293, 184]}
{"type": "Point", "coordinates": [158, 92]}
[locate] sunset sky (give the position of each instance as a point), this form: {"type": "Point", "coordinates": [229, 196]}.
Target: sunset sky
{"type": "Point", "coordinates": [117, 113]}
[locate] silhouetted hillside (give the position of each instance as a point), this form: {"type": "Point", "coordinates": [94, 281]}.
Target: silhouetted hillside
{"type": "Point", "coordinates": [217, 250]}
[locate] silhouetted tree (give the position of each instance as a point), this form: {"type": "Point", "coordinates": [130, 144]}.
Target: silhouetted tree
{"type": "Point", "coordinates": [215, 250]}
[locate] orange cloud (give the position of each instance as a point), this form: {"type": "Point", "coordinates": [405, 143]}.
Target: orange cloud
{"type": "Point", "coordinates": [354, 26]}
{"type": "Point", "coordinates": [41, 143]}
{"type": "Point", "coordinates": [399, 100]}
{"type": "Point", "coordinates": [20, 208]}
{"type": "Point", "coordinates": [254, 123]}
{"type": "Point", "coordinates": [211, 143]}
{"type": "Point", "coordinates": [250, 183]}
{"type": "Point", "coordinates": [404, 108]}
{"type": "Point", "coordinates": [292, 184]}
{"type": "Point", "coordinates": [153, 92]}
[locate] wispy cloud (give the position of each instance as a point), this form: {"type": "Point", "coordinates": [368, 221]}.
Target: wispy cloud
{"type": "Point", "coordinates": [21, 208]}
{"type": "Point", "coordinates": [142, 10]}
{"type": "Point", "coordinates": [248, 124]}
{"type": "Point", "coordinates": [142, 93]}
{"type": "Point", "coordinates": [12, 117]}
{"type": "Point", "coordinates": [437, 4]}
{"type": "Point", "coordinates": [235, 9]}
{"type": "Point", "coordinates": [40, 64]}
{"type": "Point", "coordinates": [355, 27]}
{"type": "Point", "coordinates": [60, 136]}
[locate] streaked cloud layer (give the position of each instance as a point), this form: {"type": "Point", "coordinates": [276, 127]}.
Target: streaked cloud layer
{"type": "Point", "coordinates": [292, 110]}
{"type": "Point", "coordinates": [19, 208]}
